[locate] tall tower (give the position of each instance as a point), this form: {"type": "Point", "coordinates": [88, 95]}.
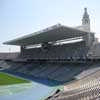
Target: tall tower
{"type": "Point", "coordinates": [86, 20]}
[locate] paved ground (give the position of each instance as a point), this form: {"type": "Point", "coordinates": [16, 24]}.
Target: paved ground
{"type": "Point", "coordinates": [35, 91]}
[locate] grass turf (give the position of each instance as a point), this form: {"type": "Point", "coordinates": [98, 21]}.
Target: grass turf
{"type": "Point", "coordinates": [6, 79]}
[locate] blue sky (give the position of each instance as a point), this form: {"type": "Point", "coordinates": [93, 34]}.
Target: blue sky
{"type": "Point", "coordinates": [21, 17]}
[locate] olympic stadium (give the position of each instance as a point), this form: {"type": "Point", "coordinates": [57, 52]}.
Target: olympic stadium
{"type": "Point", "coordinates": [56, 63]}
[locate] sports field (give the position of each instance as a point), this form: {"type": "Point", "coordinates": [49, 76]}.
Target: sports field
{"type": "Point", "coordinates": [7, 79]}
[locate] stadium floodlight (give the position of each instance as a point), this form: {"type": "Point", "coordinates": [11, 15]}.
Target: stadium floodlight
{"type": "Point", "coordinates": [33, 46]}
{"type": "Point", "coordinates": [67, 41]}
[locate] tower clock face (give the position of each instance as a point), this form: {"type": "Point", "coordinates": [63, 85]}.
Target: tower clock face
{"type": "Point", "coordinates": [86, 21]}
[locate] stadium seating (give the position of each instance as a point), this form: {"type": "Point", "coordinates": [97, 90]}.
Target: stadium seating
{"type": "Point", "coordinates": [5, 56]}
{"type": "Point", "coordinates": [52, 71]}
{"type": "Point", "coordinates": [60, 72]}
{"type": "Point", "coordinates": [65, 51]}
{"type": "Point", "coordinates": [84, 89]}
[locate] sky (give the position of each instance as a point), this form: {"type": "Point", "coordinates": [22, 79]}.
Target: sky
{"type": "Point", "coordinates": [22, 17]}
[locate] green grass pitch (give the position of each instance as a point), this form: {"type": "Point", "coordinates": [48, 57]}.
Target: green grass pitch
{"type": "Point", "coordinates": [6, 79]}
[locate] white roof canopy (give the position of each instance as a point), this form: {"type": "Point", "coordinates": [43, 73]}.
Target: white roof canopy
{"type": "Point", "coordinates": [54, 33]}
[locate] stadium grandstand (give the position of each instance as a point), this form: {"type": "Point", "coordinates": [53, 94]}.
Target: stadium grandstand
{"type": "Point", "coordinates": [58, 56]}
